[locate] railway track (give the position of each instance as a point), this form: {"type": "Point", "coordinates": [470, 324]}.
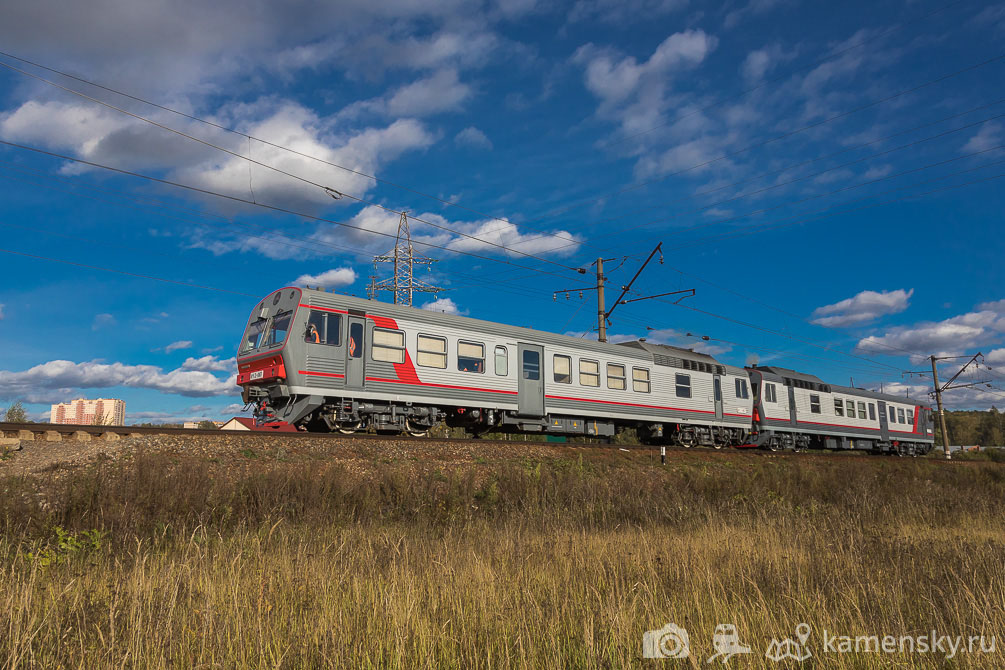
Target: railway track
{"type": "Point", "coordinates": [14, 432]}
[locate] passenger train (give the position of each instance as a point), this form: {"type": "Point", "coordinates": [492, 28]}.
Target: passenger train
{"type": "Point", "coordinates": [328, 362]}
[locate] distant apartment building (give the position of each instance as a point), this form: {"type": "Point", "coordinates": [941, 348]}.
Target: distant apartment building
{"type": "Point", "coordinates": [106, 411]}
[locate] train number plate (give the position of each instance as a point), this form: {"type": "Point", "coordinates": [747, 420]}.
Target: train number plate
{"type": "Point", "coordinates": [257, 374]}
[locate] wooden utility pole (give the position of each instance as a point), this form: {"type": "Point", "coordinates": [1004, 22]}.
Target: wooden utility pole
{"type": "Point", "coordinates": [942, 413]}
{"type": "Point", "coordinates": [601, 305]}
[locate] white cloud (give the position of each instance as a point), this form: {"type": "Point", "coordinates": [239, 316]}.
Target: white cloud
{"type": "Point", "coordinates": [614, 79]}
{"type": "Point", "coordinates": [105, 137]}
{"type": "Point", "coordinates": [761, 61]}
{"type": "Point", "coordinates": [445, 305]}
{"type": "Point", "coordinates": [862, 307]}
{"type": "Point", "coordinates": [102, 320]}
{"type": "Point", "coordinates": [329, 278]}
{"type": "Point", "coordinates": [210, 364]}
{"type": "Point", "coordinates": [878, 171]}
{"type": "Point", "coordinates": [474, 138]}
{"type": "Point", "coordinates": [440, 92]}
{"type": "Point", "coordinates": [621, 11]}
{"type": "Point", "coordinates": [175, 346]}
{"type": "Point", "coordinates": [62, 374]}
{"type": "Point", "coordinates": [950, 336]}
{"type": "Point", "coordinates": [995, 357]}
{"type": "Point", "coordinates": [990, 135]}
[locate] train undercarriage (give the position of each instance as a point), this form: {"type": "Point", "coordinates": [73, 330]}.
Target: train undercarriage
{"type": "Point", "coordinates": [348, 416]}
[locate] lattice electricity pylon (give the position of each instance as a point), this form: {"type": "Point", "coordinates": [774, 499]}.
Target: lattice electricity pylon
{"type": "Point", "coordinates": [403, 284]}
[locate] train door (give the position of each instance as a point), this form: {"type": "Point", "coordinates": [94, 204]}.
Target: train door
{"type": "Point", "coordinates": [530, 400]}
{"type": "Point", "coordinates": [717, 395]}
{"type": "Point", "coordinates": [792, 406]}
{"type": "Point", "coordinates": [355, 359]}
{"type": "Point", "coordinates": [884, 426]}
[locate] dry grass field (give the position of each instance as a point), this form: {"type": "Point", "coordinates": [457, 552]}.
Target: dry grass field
{"type": "Point", "coordinates": [223, 553]}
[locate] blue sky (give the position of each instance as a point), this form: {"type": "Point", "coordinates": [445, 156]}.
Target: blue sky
{"type": "Point", "coordinates": [825, 175]}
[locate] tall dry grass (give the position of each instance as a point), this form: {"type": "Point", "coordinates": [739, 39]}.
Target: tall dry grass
{"type": "Point", "coordinates": [556, 563]}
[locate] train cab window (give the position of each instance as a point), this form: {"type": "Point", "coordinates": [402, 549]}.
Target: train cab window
{"type": "Point", "coordinates": [531, 364]}
{"type": "Point", "coordinates": [388, 345]}
{"type": "Point", "coordinates": [893, 415]}
{"type": "Point", "coordinates": [861, 409]}
{"type": "Point", "coordinates": [838, 407]}
{"type": "Point", "coordinates": [563, 369]}
{"type": "Point", "coordinates": [640, 380]}
{"type": "Point", "coordinates": [900, 415]}
{"type": "Point", "coordinates": [355, 340]}
{"type": "Point", "coordinates": [502, 361]}
{"type": "Point", "coordinates": [589, 373]}
{"type": "Point", "coordinates": [741, 389]}
{"type": "Point", "coordinates": [872, 412]}
{"type": "Point", "coordinates": [616, 377]}
{"type": "Point", "coordinates": [471, 357]}
{"type": "Point", "coordinates": [910, 417]}
{"type": "Point", "coordinates": [431, 351]}
{"type": "Point", "coordinates": [253, 336]}
{"type": "Point", "coordinates": [280, 328]}
{"type": "Point", "coordinates": [683, 384]}
{"type": "Point", "coordinates": [814, 404]}
{"type": "Point", "coordinates": [770, 393]}
{"type": "Point", "coordinates": [323, 328]}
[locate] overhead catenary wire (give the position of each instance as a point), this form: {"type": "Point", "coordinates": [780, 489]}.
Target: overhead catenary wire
{"type": "Point", "coordinates": [335, 193]}
{"type": "Point", "coordinates": [274, 208]}
{"type": "Point", "coordinates": [250, 137]}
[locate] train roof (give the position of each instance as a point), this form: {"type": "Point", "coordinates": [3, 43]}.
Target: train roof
{"type": "Point", "coordinates": [671, 356]}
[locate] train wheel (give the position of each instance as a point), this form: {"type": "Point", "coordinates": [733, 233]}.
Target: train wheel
{"type": "Point", "coordinates": [414, 431]}
{"type": "Point", "coordinates": [348, 428]}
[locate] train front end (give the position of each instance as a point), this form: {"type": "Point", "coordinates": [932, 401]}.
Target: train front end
{"type": "Point", "coordinates": [261, 357]}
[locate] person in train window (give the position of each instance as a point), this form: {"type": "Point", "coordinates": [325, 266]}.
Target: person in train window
{"type": "Point", "coordinates": [313, 335]}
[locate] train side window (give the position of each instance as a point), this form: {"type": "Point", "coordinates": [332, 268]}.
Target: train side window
{"type": "Point", "coordinates": [616, 376]}
{"type": "Point", "coordinates": [815, 404]}
{"type": "Point", "coordinates": [717, 389]}
{"type": "Point", "coordinates": [589, 373]}
{"type": "Point", "coordinates": [893, 415]}
{"type": "Point", "coordinates": [388, 345]}
{"type": "Point", "coordinates": [471, 357]}
{"type": "Point", "coordinates": [838, 407]}
{"type": "Point", "coordinates": [770, 393]}
{"type": "Point", "coordinates": [872, 412]}
{"type": "Point", "coordinates": [910, 417]}
{"type": "Point", "coordinates": [502, 361]}
{"type": "Point", "coordinates": [741, 389]}
{"type": "Point", "coordinates": [900, 415]}
{"type": "Point", "coordinates": [531, 365]}
{"type": "Point", "coordinates": [850, 405]}
{"type": "Point", "coordinates": [315, 332]}
{"type": "Point", "coordinates": [355, 340]}
{"type": "Point", "coordinates": [683, 384]}
{"type": "Point", "coordinates": [640, 380]}
{"type": "Point", "coordinates": [563, 369]}
{"type": "Point", "coordinates": [861, 409]}
{"type": "Point", "coordinates": [431, 352]}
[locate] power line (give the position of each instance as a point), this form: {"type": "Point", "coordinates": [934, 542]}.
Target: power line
{"type": "Point", "coordinates": [334, 193]}
{"type": "Point", "coordinates": [262, 205]}
{"type": "Point", "coordinates": [249, 137]}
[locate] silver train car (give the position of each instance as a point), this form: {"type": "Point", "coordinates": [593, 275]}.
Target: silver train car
{"type": "Point", "coordinates": [327, 362]}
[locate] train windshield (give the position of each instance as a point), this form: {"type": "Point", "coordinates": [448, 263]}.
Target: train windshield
{"type": "Point", "coordinates": [253, 336]}
{"type": "Point", "coordinates": [280, 328]}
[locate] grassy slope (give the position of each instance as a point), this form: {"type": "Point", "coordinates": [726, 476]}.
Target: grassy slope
{"type": "Point", "coordinates": [563, 560]}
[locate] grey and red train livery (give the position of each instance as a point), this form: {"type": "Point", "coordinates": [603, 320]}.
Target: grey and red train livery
{"type": "Point", "coordinates": [325, 362]}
